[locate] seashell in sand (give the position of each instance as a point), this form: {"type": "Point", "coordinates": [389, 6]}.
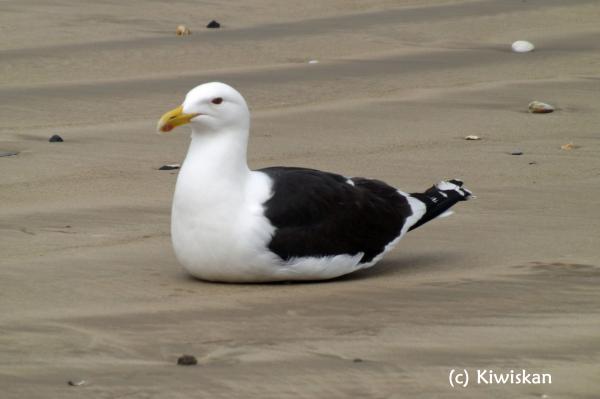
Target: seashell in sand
{"type": "Point", "coordinates": [187, 360]}
{"type": "Point", "coordinates": [472, 137]}
{"type": "Point", "coordinates": [522, 46]}
{"type": "Point", "coordinates": [213, 25]}
{"type": "Point", "coordinates": [183, 30]}
{"type": "Point", "coordinates": [568, 146]}
{"type": "Point", "coordinates": [538, 107]}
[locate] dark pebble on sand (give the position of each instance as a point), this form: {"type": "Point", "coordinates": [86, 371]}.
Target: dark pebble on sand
{"type": "Point", "coordinates": [170, 167]}
{"type": "Point", "coordinates": [55, 139]}
{"type": "Point", "coordinates": [76, 383]}
{"type": "Point", "coordinates": [7, 153]}
{"type": "Point", "coordinates": [357, 360]}
{"type": "Point", "coordinates": [187, 360]}
{"type": "Point", "coordinates": [516, 152]}
{"type": "Point", "coordinates": [213, 24]}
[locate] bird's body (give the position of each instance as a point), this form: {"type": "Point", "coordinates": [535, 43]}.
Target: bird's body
{"type": "Point", "coordinates": [232, 224]}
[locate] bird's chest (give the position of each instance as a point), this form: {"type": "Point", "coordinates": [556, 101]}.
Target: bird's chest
{"type": "Point", "coordinates": [218, 229]}
{"type": "Point", "coordinates": [206, 226]}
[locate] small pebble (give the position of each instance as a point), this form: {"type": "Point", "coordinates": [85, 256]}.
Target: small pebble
{"type": "Point", "coordinates": [76, 383]}
{"type": "Point", "coordinates": [522, 46]}
{"type": "Point", "coordinates": [213, 25]}
{"type": "Point", "coordinates": [532, 163]}
{"type": "Point", "coordinates": [538, 107]}
{"type": "Point", "coordinates": [313, 61]}
{"type": "Point", "coordinates": [472, 137]}
{"type": "Point", "coordinates": [567, 147]}
{"type": "Point", "coordinates": [55, 139]}
{"type": "Point", "coordinates": [7, 153]}
{"type": "Point", "coordinates": [183, 30]}
{"type": "Point", "coordinates": [171, 166]}
{"type": "Point", "coordinates": [187, 360]}
{"type": "Point", "coordinates": [516, 152]}
{"type": "Point", "coordinates": [357, 360]}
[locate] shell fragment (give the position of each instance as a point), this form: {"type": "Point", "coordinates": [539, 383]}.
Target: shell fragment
{"type": "Point", "coordinates": [522, 46]}
{"type": "Point", "coordinates": [183, 30]}
{"type": "Point", "coordinates": [538, 107]}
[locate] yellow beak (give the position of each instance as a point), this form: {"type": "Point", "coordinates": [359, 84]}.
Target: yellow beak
{"type": "Point", "coordinates": [174, 118]}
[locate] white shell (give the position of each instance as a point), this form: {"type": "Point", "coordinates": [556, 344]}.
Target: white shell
{"type": "Point", "coordinates": [522, 46]}
{"type": "Point", "coordinates": [183, 30]}
{"type": "Point", "coordinates": [313, 61]}
{"type": "Point", "coordinates": [538, 107]}
{"type": "Point", "coordinates": [472, 137]}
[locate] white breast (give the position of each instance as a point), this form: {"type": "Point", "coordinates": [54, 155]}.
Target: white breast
{"type": "Point", "coordinates": [219, 232]}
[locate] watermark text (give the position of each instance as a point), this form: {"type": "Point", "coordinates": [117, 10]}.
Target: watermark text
{"type": "Point", "coordinates": [462, 377]}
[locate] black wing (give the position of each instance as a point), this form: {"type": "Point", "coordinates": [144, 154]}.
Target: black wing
{"type": "Point", "coordinates": [321, 214]}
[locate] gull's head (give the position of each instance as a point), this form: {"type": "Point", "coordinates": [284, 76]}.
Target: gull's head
{"type": "Point", "coordinates": [210, 107]}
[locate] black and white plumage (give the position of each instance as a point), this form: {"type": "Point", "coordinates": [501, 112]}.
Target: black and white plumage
{"type": "Point", "coordinates": [230, 223]}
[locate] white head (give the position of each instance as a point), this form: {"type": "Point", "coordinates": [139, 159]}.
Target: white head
{"type": "Point", "coordinates": [210, 108]}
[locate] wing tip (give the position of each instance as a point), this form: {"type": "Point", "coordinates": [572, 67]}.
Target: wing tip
{"type": "Point", "coordinates": [455, 185]}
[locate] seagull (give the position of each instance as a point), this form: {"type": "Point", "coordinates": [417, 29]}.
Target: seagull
{"type": "Point", "coordinates": [233, 224]}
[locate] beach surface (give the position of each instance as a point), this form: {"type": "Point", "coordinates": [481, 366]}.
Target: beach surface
{"type": "Point", "coordinates": [90, 288]}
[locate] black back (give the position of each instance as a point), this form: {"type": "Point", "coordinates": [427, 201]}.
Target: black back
{"type": "Point", "coordinates": [319, 214]}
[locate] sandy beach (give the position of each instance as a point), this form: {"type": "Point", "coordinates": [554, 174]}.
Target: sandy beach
{"type": "Point", "coordinates": [90, 288]}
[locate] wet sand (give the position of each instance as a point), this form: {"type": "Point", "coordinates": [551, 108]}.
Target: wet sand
{"type": "Point", "coordinates": [90, 288]}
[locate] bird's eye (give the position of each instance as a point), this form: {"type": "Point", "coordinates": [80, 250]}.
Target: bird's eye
{"type": "Point", "coordinates": [217, 100]}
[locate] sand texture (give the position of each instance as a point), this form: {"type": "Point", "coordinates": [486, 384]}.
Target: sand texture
{"type": "Point", "coordinates": [90, 288]}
